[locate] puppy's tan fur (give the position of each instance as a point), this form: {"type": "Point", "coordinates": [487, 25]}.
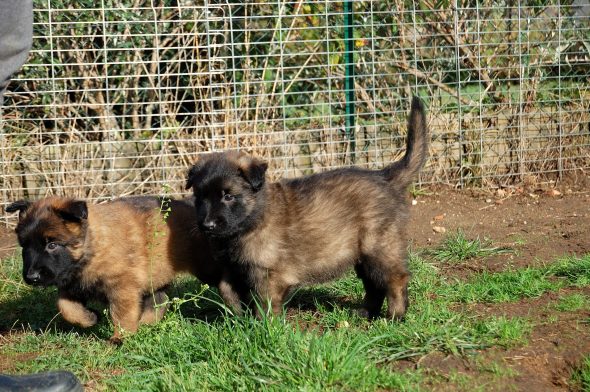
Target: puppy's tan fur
{"type": "Point", "coordinates": [124, 252]}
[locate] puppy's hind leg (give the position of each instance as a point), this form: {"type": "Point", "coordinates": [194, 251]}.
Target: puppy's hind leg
{"type": "Point", "coordinates": [388, 272]}
{"type": "Point", "coordinates": [154, 307]}
{"type": "Point", "coordinates": [397, 293]}
{"type": "Point", "coordinates": [374, 290]}
{"type": "Point", "coordinates": [125, 306]}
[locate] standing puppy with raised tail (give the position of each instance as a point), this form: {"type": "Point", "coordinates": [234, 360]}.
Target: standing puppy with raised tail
{"type": "Point", "coordinates": [314, 228]}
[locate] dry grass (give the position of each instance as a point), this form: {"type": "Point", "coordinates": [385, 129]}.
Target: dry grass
{"type": "Point", "coordinates": [102, 116]}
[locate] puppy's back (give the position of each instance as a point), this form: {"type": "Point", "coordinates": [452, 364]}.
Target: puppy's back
{"type": "Point", "coordinates": [148, 240]}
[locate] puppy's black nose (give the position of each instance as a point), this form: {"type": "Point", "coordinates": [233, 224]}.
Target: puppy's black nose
{"type": "Point", "coordinates": [209, 225]}
{"type": "Point", "coordinates": [33, 277]}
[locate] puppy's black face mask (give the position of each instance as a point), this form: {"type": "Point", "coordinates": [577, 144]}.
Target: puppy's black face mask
{"type": "Point", "coordinates": [226, 195]}
{"type": "Point", "coordinates": [48, 242]}
{"type": "Point", "coordinates": [47, 262]}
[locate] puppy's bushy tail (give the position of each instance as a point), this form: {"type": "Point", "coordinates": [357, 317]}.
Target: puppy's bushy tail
{"type": "Point", "coordinates": [402, 172]}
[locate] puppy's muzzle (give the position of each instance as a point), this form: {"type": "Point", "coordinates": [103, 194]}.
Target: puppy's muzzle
{"type": "Point", "coordinates": [33, 278]}
{"type": "Point", "coordinates": [209, 225]}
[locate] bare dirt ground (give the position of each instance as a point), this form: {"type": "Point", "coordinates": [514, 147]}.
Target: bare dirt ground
{"type": "Point", "coordinates": [542, 223]}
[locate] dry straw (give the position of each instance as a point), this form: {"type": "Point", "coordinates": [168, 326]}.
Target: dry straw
{"type": "Point", "coordinates": [120, 99]}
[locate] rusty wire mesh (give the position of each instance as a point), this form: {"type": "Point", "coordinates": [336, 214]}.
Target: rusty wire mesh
{"type": "Point", "coordinates": [120, 97]}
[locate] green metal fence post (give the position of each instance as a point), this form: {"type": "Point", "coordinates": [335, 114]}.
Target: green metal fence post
{"type": "Point", "coordinates": [349, 77]}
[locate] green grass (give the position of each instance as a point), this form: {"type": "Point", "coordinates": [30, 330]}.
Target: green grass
{"type": "Point", "coordinates": [418, 191]}
{"type": "Point", "coordinates": [457, 247]}
{"type": "Point", "coordinates": [581, 376]}
{"type": "Point", "coordinates": [529, 282]}
{"type": "Point", "coordinates": [572, 303]}
{"type": "Point", "coordinates": [321, 344]}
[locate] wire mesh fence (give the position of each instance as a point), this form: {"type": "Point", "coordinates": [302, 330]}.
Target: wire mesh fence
{"type": "Point", "coordinates": [120, 97]}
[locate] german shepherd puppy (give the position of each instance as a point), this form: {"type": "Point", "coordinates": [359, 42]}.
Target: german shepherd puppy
{"type": "Point", "coordinates": [312, 229]}
{"type": "Point", "coordinates": [124, 252]}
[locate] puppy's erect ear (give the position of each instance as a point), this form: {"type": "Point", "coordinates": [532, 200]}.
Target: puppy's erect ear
{"type": "Point", "coordinates": [74, 210]}
{"type": "Point", "coordinates": [20, 206]}
{"type": "Point", "coordinates": [191, 177]}
{"type": "Point", "coordinates": [253, 170]}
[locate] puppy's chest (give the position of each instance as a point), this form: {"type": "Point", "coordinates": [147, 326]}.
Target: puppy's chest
{"type": "Point", "coordinates": [262, 249]}
{"type": "Point", "coordinates": [94, 291]}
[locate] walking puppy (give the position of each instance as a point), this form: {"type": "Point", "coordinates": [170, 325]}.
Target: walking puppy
{"type": "Point", "coordinates": [124, 252]}
{"type": "Point", "coordinates": [314, 228]}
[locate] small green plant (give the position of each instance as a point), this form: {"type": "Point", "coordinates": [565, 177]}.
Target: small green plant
{"type": "Point", "coordinates": [165, 211]}
{"type": "Point", "coordinates": [581, 376]}
{"type": "Point", "coordinates": [573, 302]}
{"type": "Point", "coordinates": [416, 192]}
{"type": "Point", "coordinates": [576, 270]}
{"type": "Point", "coordinates": [496, 368]}
{"type": "Point", "coordinates": [517, 239]}
{"type": "Point", "coordinates": [511, 285]}
{"type": "Point", "coordinates": [457, 247]}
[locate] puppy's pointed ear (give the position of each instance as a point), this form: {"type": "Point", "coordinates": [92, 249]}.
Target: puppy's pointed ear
{"type": "Point", "coordinates": [191, 177]}
{"type": "Point", "coordinates": [73, 210]}
{"type": "Point", "coordinates": [20, 206]}
{"type": "Point", "coordinates": [254, 171]}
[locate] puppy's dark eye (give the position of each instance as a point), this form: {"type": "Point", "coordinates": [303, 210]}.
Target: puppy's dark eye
{"type": "Point", "coordinates": [51, 246]}
{"type": "Point", "coordinates": [228, 197]}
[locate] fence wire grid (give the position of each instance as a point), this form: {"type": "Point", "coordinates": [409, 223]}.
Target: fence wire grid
{"type": "Point", "coordinates": [121, 97]}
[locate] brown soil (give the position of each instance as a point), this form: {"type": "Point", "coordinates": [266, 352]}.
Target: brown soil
{"type": "Point", "coordinates": [556, 345]}
{"type": "Point", "coordinates": [8, 362]}
{"type": "Point", "coordinates": [537, 226]}
{"type": "Point", "coordinates": [540, 224]}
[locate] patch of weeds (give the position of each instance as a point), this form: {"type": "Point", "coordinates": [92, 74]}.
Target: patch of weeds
{"type": "Point", "coordinates": [528, 282]}
{"type": "Point", "coordinates": [431, 324]}
{"type": "Point", "coordinates": [254, 354]}
{"type": "Point", "coordinates": [503, 331]}
{"type": "Point", "coordinates": [572, 303]}
{"type": "Point", "coordinates": [581, 375]}
{"type": "Point", "coordinates": [457, 247]}
{"type": "Point", "coordinates": [551, 319]}
{"type": "Point", "coordinates": [504, 286]}
{"type": "Point", "coordinates": [575, 270]}
{"type": "Point", "coordinates": [417, 192]}
{"type": "Point", "coordinates": [518, 240]}
{"type": "Point", "coordinates": [496, 368]}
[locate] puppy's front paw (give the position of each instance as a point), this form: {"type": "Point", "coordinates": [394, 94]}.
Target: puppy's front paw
{"type": "Point", "coordinates": [366, 313]}
{"type": "Point", "coordinates": [116, 340]}
{"type": "Point", "coordinates": [93, 317]}
{"type": "Point", "coordinates": [76, 313]}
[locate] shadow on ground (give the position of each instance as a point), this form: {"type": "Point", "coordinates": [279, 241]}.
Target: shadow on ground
{"type": "Point", "coordinates": [34, 309]}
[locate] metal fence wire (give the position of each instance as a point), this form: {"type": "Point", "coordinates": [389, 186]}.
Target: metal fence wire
{"type": "Point", "coordinates": [120, 97]}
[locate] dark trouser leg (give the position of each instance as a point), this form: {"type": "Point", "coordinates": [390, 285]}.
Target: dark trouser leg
{"type": "Point", "coordinates": [16, 36]}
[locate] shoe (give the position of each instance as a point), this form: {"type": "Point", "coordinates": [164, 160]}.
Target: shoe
{"type": "Point", "coordinates": [59, 381]}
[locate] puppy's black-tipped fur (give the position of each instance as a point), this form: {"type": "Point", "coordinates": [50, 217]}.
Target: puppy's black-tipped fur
{"type": "Point", "coordinates": [123, 253]}
{"type": "Point", "coordinates": [312, 229]}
